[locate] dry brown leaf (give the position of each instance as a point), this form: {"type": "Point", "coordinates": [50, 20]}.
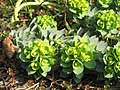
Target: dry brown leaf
{"type": "Point", "coordinates": [2, 3]}
{"type": "Point", "coordinates": [8, 47]}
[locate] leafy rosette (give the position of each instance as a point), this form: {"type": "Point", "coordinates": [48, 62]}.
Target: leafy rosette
{"type": "Point", "coordinates": [39, 57]}
{"type": "Point", "coordinates": [77, 54]}
{"type": "Point", "coordinates": [107, 22]}
{"type": "Point", "coordinates": [78, 7]}
{"type": "Point", "coordinates": [45, 21]}
{"type": "Point", "coordinates": [112, 62]}
{"type": "Point", "coordinates": [105, 3]}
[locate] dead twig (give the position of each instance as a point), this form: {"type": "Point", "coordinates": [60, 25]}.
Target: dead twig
{"type": "Point", "coordinates": [35, 85]}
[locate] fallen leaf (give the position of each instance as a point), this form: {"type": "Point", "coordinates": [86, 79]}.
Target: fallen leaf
{"type": "Point", "coordinates": [8, 47]}
{"type": "Point", "coordinates": [2, 3]}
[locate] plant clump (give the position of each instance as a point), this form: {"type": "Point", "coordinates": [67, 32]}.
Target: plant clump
{"type": "Point", "coordinates": [107, 22]}
{"type": "Point", "coordinates": [45, 21]}
{"type": "Point", "coordinates": [75, 55]}
{"type": "Point", "coordinates": [79, 7]}
{"type": "Point", "coordinates": [73, 38]}
{"type": "Point", "coordinates": [112, 62]}
{"type": "Point", "coordinates": [39, 57]}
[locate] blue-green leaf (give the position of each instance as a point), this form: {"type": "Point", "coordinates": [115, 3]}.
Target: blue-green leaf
{"type": "Point", "coordinates": [30, 70]}
{"type": "Point", "coordinates": [90, 64]}
{"type": "Point", "coordinates": [77, 67]}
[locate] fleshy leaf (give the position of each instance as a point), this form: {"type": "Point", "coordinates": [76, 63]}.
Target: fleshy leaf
{"type": "Point", "coordinates": [67, 70]}
{"type": "Point", "coordinates": [30, 70]}
{"type": "Point", "coordinates": [90, 64]}
{"type": "Point", "coordinates": [46, 68]}
{"type": "Point", "coordinates": [65, 64]}
{"type": "Point", "coordinates": [77, 67]}
{"type": "Point", "coordinates": [23, 57]}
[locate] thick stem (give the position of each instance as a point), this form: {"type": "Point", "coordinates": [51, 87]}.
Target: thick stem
{"type": "Point", "coordinates": [18, 3]}
{"type": "Point", "coordinates": [19, 7]}
{"type": "Point", "coordinates": [65, 19]}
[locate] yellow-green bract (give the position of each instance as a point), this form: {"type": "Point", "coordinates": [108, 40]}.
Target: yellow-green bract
{"type": "Point", "coordinates": [79, 7]}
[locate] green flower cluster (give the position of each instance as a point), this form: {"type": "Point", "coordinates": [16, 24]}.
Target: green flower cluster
{"type": "Point", "coordinates": [105, 3]}
{"type": "Point", "coordinates": [107, 21]}
{"type": "Point", "coordinates": [112, 62]}
{"type": "Point", "coordinates": [79, 7]}
{"type": "Point", "coordinates": [45, 21]}
{"type": "Point", "coordinates": [77, 54]}
{"type": "Point", "coordinates": [40, 57]}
